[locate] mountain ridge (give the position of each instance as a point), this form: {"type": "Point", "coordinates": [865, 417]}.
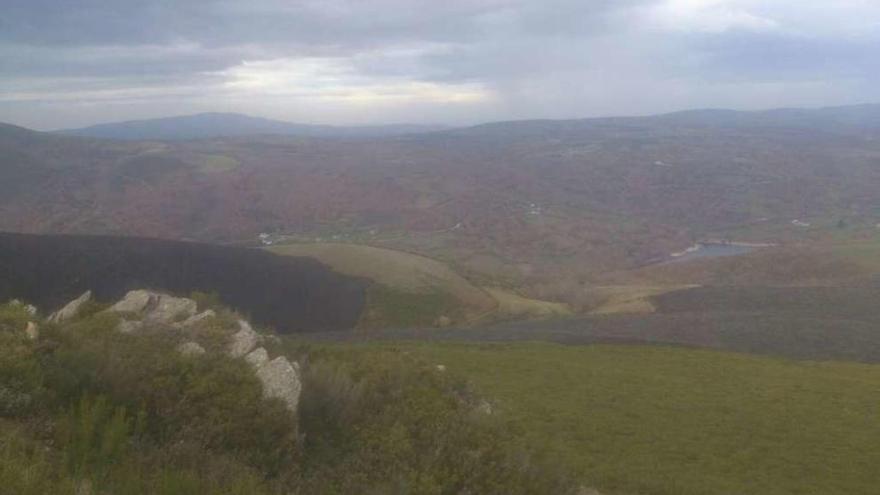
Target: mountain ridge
{"type": "Point", "coordinates": [226, 124]}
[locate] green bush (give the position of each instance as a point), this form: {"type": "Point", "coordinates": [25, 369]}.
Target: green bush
{"type": "Point", "coordinates": [96, 435]}
{"type": "Point", "coordinates": [118, 413]}
{"type": "Point", "coordinates": [383, 422]}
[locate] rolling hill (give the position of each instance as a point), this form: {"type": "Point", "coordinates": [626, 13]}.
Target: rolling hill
{"type": "Point", "coordinates": [216, 125]}
{"type": "Point", "coordinates": [548, 208]}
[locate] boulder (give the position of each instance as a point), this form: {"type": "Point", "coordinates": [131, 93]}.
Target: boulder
{"type": "Point", "coordinates": [154, 307]}
{"type": "Point", "coordinates": [170, 309]}
{"type": "Point", "coordinates": [257, 358]}
{"type": "Point", "coordinates": [244, 341]}
{"type": "Point", "coordinates": [281, 380]}
{"type": "Point", "coordinates": [192, 320]}
{"type": "Point", "coordinates": [190, 349]}
{"type": "Point", "coordinates": [32, 331]}
{"type": "Point", "coordinates": [71, 309]}
{"type": "Point", "coordinates": [136, 301]}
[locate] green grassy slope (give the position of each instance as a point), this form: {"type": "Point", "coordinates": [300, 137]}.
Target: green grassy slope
{"type": "Point", "coordinates": [413, 290]}
{"type": "Point", "coordinates": [667, 421]}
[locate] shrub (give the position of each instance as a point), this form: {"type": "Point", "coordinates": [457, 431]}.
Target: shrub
{"type": "Point", "coordinates": [96, 434]}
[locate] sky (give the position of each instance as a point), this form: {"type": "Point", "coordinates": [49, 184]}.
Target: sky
{"type": "Point", "coordinates": [70, 63]}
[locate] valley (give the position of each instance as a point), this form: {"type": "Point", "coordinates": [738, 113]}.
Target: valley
{"type": "Point", "coordinates": [678, 304]}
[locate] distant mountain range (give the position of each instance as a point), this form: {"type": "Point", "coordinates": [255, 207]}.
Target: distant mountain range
{"type": "Point", "coordinates": [218, 125]}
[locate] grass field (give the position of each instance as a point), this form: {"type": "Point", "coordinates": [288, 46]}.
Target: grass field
{"type": "Point", "coordinates": [396, 269]}
{"type": "Point", "coordinates": [628, 299]}
{"type": "Point", "coordinates": [866, 254]}
{"type": "Point", "coordinates": [670, 421]}
{"type": "Point", "coordinates": [415, 290]}
{"type": "Point", "coordinates": [216, 163]}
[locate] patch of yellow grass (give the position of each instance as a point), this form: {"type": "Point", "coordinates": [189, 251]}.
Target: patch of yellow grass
{"type": "Point", "coordinates": [512, 305]}
{"type": "Point", "coordinates": [217, 163]}
{"type": "Point", "coordinates": [630, 299]}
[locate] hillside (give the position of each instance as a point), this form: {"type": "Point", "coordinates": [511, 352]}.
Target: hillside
{"type": "Point", "coordinates": [289, 294]}
{"type": "Point", "coordinates": [544, 207]}
{"type": "Point", "coordinates": [415, 291]}
{"type": "Point", "coordinates": [657, 420]}
{"type": "Point", "coordinates": [216, 125]}
{"type": "Point", "coordinates": [92, 404]}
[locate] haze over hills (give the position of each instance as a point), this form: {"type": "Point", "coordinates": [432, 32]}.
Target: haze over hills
{"type": "Point", "coordinates": [214, 125]}
{"type": "Point", "coordinates": [542, 206]}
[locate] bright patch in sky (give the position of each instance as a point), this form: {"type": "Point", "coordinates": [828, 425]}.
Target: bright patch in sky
{"type": "Point", "coordinates": [709, 16]}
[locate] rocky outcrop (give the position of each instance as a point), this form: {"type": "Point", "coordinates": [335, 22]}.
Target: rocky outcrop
{"type": "Point", "coordinates": [136, 301]}
{"type": "Point", "coordinates": [257, 358]}
{"type": "Point", "coordinates": [142, 306]}
{"type": "Point", "coordinates": [281, 380]}
{"type": "Point", "coordinates": [71, 309]}
{"type": "Point", "coordinates": [244, 341]}
{"type": "Point", "coordinates": [170, 309]}
{"type": "Point", "coordinates": [195, 319]}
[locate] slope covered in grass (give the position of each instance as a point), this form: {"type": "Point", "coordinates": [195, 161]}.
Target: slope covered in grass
{"type": "Point", "coordinates": [668, 421]}
{"type": "Point", "coordinates": [413, 290]}
{"type": "Point", "coordinates": [88, 410]}
{"type": "Point", "coordinates": [395, 269]}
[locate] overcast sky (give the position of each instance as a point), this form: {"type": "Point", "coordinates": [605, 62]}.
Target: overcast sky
{"type": "Point", "coordinates": [66, 63]}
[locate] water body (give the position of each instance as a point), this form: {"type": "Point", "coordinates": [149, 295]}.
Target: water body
{"type": "Point", "coordinates": [711, 250]}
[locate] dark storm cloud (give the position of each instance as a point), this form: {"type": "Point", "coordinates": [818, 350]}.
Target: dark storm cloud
{"type": "Point", "coordinates": [451, 60]}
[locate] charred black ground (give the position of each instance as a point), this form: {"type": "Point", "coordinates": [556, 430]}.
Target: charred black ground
{"type": "Point", "coordinates": [289, 294]}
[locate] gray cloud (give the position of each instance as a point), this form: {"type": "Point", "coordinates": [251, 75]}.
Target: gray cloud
{"type": "Point", "coordinates": [75, 62]}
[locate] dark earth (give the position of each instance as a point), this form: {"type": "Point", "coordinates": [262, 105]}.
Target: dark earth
{"type": "Point", "coordinates": [287, 293]}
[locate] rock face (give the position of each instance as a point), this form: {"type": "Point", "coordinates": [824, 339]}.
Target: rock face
{"type": "Point", "coordinates": [244, 341]}
{"type": "Point", "coordinates": [71, 309]}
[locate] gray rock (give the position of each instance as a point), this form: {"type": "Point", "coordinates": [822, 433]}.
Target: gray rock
{"type": "Point", "coordinates": [129, 326]}
{"type": "Point", "coordinates": [71, 309]}
{"type": "Point", "coordinates": [281, 380]}
{"type": "Point", "coordinates": [32, 331]}
{"type": "Point", "coordinates": [136, 301]}
{"type": "Point", "coordinates": [257, 358]}
{"type": "Point", "coordinates": [169, 309]}
{"type": "Point", "coordinates": [190, 349]}
{"type": "Point", "coordinates": [154, 307]}
{"type": "Point", "coordinates": [192, 320]}
{"type": "Point", "coordinates": [244, 341]}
